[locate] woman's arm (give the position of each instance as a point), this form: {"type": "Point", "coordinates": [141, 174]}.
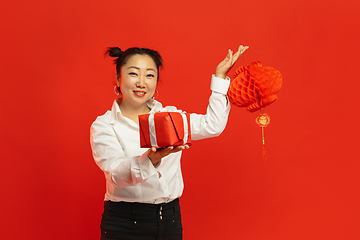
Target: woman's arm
{"type": "Point", "coordinates": [214, 121]}
{"type": "Point", "coordinates": [110, 157]}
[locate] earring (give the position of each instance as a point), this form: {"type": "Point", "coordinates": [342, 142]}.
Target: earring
{"type": "Point", "coordinates": [157, 94]}
{"type": "Point", "coordinates": [116, 90]}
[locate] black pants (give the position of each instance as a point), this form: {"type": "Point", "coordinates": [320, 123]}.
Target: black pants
{"type": "Point", "coordinates": [141, 221]}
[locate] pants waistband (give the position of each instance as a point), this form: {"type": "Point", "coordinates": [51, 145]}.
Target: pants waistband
{"type": "Point", "coordinates": [128, 205]}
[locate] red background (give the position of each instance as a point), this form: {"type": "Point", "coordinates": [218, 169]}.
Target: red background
{"type": "Point", "coordinates": [55, 81]}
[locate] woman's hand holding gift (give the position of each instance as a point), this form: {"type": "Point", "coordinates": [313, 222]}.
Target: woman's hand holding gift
{"type": "Point", "coordinates": [155, 155]}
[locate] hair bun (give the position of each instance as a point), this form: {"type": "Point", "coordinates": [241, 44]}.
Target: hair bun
{"type": "Point", "coordinates": [114, 52]}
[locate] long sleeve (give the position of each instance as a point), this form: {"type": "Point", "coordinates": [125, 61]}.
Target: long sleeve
{"type": "Point", "coordinates": [109, 155]}
{"type": "Point", "coordinates": [214, 121]}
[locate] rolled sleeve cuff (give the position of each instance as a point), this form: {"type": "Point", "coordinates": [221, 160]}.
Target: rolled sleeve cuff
{"type": "Point", "coordinates": [220, 85]}
{"type": "Point", "coordinates": [146, 167]}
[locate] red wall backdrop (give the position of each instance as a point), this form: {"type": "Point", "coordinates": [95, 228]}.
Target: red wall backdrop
{"type": "Point", "coordinates": [55, 81]}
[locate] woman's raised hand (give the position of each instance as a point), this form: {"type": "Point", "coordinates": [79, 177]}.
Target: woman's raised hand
{"type": "Point", "coordinates": [225, 66]}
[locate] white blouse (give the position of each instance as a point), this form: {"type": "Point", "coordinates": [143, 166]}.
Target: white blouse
{"type": "Point", "coordinates": [129, 173]}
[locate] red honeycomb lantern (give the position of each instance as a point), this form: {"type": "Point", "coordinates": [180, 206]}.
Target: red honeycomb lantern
{"type": "Point", "coordinates": [254, 86]}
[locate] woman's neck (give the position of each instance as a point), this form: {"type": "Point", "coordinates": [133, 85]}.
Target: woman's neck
{"type": "Point", "coordinates": [132, 112]}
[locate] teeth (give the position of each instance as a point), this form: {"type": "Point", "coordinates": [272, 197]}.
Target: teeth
{"type": "Point", "coordinates": [140, 92]}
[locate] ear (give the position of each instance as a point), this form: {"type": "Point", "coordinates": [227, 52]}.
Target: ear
{"type": "Point", "coordinates": [118, 80]}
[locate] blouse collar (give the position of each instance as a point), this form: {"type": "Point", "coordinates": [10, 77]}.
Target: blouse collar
{"type": "Point", "coordinates": [154, 106]}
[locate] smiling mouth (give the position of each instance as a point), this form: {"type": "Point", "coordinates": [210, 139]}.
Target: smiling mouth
{"type": "Point", "coordinates": [139, 94]}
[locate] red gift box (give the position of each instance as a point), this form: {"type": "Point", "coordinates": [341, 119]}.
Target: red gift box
{"type": "Point", "coordinates": [164, 129]}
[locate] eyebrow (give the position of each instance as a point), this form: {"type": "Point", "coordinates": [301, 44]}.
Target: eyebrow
{"type": "Point", "coordinates": [139, 68]}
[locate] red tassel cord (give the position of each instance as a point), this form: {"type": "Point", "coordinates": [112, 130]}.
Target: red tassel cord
{"type": "Point", "coordinates": [264, 152]}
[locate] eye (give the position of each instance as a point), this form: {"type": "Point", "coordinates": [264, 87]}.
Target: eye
{"type": "Point", "coordinates": [150, 75]}
{"type": "Point", "coordinates": [133, 74]}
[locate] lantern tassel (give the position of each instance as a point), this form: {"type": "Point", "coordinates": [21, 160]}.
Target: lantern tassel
{"type": "Point", "coordinates": [264, 152]}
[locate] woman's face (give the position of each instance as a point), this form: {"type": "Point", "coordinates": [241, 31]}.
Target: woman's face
{"type": "Point", "coordinates": [138, 79]}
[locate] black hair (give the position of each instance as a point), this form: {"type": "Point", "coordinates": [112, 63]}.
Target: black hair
{"type": "Point", "coordinates": [123, 56]}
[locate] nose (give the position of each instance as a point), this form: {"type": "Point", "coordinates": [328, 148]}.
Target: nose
{"type": "Point", "coordinates": [141, 82]}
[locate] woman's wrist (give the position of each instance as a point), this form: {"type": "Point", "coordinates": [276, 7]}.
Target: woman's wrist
{"type": "Point", "coordinates": [220, 75]}
{"type": "Point", "coordinates": [156, 164]}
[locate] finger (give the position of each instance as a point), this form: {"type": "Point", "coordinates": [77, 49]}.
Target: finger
{"type": "Point", "coordinates": [227, 56]}
{"type": "Point", "coordinates": [166, 151]}
{"type": "Point", "coordinates": [237, 54]}
{"type": "Point", "coordinates": [151, 152]}
{"type": "Point", "coordinates": [236, 57]}
{"type": "Point", "coordinates": [230, 56]}
{"type": "Point", "coordinates": [244, 48]}
{"type": "Point", "coordinates": [175, 149]}
{"type": "Point", "coordinates": [180, 148]}
{"type": "Point", "coordinates": [240, 51]}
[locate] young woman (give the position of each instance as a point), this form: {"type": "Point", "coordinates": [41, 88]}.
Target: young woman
{"type": "Point", "coordinates": [143, 186]}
